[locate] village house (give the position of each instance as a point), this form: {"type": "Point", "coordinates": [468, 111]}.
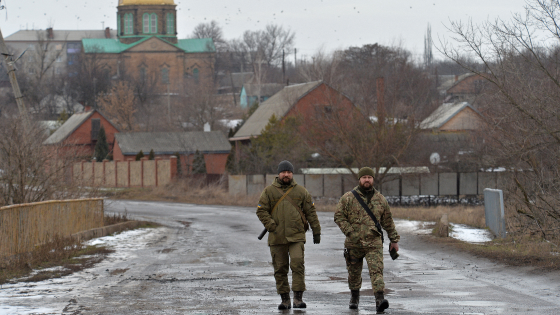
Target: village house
{"type": "Point", "coordinates": [79, 134]}
{"type": "Point", "coordinates": [213, 145]}
{"type": "Point", "coordinates": [306, 100]}
{"type": "Point", "coordinates": [251, 93]}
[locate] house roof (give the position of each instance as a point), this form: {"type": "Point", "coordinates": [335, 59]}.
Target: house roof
{"type": "Point", "coordinates": [279, 104]}
{"type": "Point", "coordinates": [266, 89]}
{"type": "Point", "coordinates": [59, 35]}
{"type": "Point", "coordinates": [114, 46]}
{"type": "Point", "coordinates": [131, 143]}
{"type": "Point", "coordinates": [443, 114]}
{"type": "Point", "coordinates": [70, 126]}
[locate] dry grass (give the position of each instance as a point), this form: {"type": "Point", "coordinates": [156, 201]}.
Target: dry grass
{"type": "Point", "coordinates": [189, 191]}
{"type": "Point", "coordinates": [60, 252]}
{"type": "Point", "coordinates": [469, 215]}
{"type": "Point", "coordinates": [115, 218]}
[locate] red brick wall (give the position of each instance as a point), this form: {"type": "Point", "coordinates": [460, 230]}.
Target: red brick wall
{"type": "Point", "coordinates": [80, 140]}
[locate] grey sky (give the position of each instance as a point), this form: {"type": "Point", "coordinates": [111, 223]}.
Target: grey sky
{"type": "Point", "coordinates": [329, 24]}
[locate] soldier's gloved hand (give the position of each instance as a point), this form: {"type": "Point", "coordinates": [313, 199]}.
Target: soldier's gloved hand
{"type": "Point", "coordinates": [316, 238]}
{"type": "Point", "coordinates": [272, 228]}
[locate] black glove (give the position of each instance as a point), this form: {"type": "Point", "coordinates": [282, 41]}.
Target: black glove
{"type": "Point", "coordinates": [316, 238]}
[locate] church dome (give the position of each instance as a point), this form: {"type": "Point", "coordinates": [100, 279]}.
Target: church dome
{"type": "Point", "coordinates": [146, 2]}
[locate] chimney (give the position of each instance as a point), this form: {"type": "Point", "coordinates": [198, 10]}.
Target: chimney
{"type": "Point", "coordinates": [50, 33]}
{"type": "Point", "coordinates": [107, 32]}
{"type": "Point", "coordinates": [87, 108]}
{"type": "Point", "coordinates": [381, 101]}
{"type": "Point", "coordinates": [456, 78]}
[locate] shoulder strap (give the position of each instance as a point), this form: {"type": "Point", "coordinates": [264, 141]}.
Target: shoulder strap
{"type": "Point", "coordinates": [377, 225]}
{"type": "Point", "coordinates": [305, 223]}
{"type": "Point", "coordinates": [281, 198]}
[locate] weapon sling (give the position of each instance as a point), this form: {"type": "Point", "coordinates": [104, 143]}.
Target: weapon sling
{"type": "Point", "coordinates": [305, 223]}
{"type": "Point", "coordinates": [263, 233]}
{"type": "Point", "coordinates": [377, 225]}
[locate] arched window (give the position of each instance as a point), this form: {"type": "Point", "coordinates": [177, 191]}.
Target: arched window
{"type": "Point", "coordinates": [143, 74]}
{"type": "Point", "coordinates": [165, 76]}
{"type": "Point", "coordinates": [146, 23]}
{"type": "Point", "coordinates": [196, 75]}
{"type": "Point", "coordinates": [128, 24]}
{"type": "Point", "coordinates": [119, 24]}
{"type": "Point", "coordinates": [170, 24]}
{"type": "Point", "coordinates": [153, 23]}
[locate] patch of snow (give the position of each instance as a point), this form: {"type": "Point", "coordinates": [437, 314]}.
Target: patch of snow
{"type": "Point", "coordinates": [469, 234]}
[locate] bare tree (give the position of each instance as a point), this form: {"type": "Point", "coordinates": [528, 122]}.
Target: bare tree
{"type": "Point", "coordinates": [30, 172]}
{"type": "Point", "coordinates": [119, 105]}
{"type": "Point", "coordinates": [522, 68]}
{"type": "Point", "coordinates": [210, 30]}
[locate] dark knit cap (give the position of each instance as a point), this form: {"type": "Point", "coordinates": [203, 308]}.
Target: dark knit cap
{"type": "Point", "coordinates": [285, 166]}
{"type": "Point", "coordinates": [366, 171]}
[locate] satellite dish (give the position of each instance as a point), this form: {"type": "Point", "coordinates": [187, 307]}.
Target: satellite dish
{"type": "Point", "coordinates": [434, 158]}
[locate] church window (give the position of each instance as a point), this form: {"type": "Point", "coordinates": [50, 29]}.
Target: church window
{"type": "Point", "coordinates": [170, 24]}
{"type": "Point", "coordinates": [118, 24]}
{"type": "Point", "coordinates": [142, 74]}
{"type": "Point", "coordinates": [165, 76]}
{"type": "Point", "coordinates": [128, 24]}
{"type": "Point", "coordinates": [196, 75]}
{"type": "Point", "coordinates": [150, 23]}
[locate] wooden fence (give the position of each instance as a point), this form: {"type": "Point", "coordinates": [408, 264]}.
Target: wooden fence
{"type": "Point", "coordinates": [24, 226]}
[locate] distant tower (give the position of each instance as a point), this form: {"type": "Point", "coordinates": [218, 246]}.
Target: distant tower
{"type": "Point", "coordinates": [428, 56]}
{"type": "Point", "coordinates": [138, 19]}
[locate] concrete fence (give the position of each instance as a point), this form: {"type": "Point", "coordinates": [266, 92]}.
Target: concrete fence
{"type": "Point", "coordinates": [131, 173]}
{"type": "Point", "coordinates": [24, 226]}
{"type": "Point", "coordinates": [334, 185]}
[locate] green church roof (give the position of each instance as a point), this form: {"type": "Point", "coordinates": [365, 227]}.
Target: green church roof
{"type": "Point", "coordinates": [114, 46]}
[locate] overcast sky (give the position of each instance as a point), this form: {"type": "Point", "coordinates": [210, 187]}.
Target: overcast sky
{"type": "Point", "coordinates": [327, 24]}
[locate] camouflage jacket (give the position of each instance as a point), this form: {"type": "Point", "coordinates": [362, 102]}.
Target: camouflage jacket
{"type": "Point", "coordinates": [358, 226]}
{"type": "Point", "coordinates": [285, 224]}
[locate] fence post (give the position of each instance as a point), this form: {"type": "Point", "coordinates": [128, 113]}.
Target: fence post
{"type": "Point", "coordinates": [494, 211]}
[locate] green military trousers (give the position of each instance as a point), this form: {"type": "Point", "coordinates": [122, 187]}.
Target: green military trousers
{"type": "Point", "coordinates": [284, 257]}
{"type": "Point", "coordinates": [354, 264]}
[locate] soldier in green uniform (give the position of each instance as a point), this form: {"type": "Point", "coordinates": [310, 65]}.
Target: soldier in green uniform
{"type": "Point", "coordinates": [286, 210]}
{"type": "Point", "coordinates": [364, 237]}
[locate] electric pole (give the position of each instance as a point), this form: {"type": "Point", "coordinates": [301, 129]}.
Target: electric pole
{"type": "Point", "coordinates": [11, 70]}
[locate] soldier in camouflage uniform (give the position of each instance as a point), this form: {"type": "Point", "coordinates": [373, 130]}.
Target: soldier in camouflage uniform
{"type": "Point", "coordinates": [363, 240]}
{"type": "Point", "coordinates": [286, 229]}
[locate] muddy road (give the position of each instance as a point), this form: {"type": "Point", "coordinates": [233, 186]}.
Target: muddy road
{"type": "Point", "coordinates": [207, 260]}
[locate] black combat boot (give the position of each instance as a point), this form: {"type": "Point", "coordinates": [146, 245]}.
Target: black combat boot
{"type": "Point", "coordinates": [354, 299]}
{"type": "Point", "coordinates": [298, 297]}
{"type": "Point", "coordinates": [286, 303]}
{"type": "Point", "coordinates": [380, 303]}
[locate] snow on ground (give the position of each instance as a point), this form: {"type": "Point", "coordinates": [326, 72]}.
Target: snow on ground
{"type": "Point", "coordinates": [461, 232]}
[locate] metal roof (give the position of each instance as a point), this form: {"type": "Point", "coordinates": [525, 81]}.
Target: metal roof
{"type": "Point", "coordinates": [131, 143]}
{"type": "Point", "coordinates": [114, 46]}
{"type": "Point", "coordinates": [443, 114]}
{"type": "Point", "coordinates": [59, 35]}
{"type": "Point", "coordinates": [68, 127]}
{"type": "Point", "coordinates": [266, 89]}
{"type": "Point", "coordinates": [392, 170]}
{"type": "Point", "coordinates": [196, 45]}
{"type": "Point", "coordinates": [279, 104]}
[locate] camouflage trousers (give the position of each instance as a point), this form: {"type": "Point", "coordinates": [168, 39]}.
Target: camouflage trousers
{"type": "Point", "coordinates": [354, 264]}
{"type": "Point", "coordinates": [285, 257]}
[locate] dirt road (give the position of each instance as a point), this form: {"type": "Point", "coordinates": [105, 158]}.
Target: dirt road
{"type": "Point", "coordinates": [207, 260]}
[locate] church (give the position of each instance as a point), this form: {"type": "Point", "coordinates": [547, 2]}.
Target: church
{"type": "Point", "coordinates": [147, 48]}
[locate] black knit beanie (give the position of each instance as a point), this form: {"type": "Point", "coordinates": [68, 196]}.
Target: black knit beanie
{"type": "Point", "coordinates": [285, 166]}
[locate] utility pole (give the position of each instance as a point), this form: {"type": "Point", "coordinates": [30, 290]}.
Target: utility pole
{"type": "Point", "coordinates": [11, 69]}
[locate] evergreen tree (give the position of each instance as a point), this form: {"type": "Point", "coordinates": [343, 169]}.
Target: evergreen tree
{"type": "Point", "coordinates": [152, 155]}
{"type": "Point", "coordinates": [139, 156]}
{"type": "Point", "coordinates": [179, 167]}
{"type": "Point", "coordinates": [101, 147]}
{"type": "Point", "coordinates": [199, 166]}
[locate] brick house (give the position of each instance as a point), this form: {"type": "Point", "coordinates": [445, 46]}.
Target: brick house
{"type": "Point", "coordinates": [78, 135]}
{"type": "Point", "coordinates": [307, 100]}
{"type": "Point", "coordinates": [213, 145]}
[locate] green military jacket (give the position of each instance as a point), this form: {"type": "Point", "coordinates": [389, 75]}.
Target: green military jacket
{"type": "Point", "coordinates": [285, 224]}
{"type": "Point", "coordinates": [358, 226]}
